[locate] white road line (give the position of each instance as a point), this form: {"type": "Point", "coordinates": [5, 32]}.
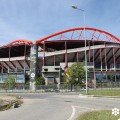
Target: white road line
{"type": "Point", "coordinates": [73, 113]}
{"type": "Point", "coordinates": [74, 110]}
{"type": "Point", "coordinates": [85, 108]}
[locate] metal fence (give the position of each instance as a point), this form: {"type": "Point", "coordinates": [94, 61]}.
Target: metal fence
{"type": "Point", "coordinates": [108, 85]}
{"type": "Point", "coordinates": [60, 88]}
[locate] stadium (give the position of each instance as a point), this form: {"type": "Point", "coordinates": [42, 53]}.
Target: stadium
{"type": "Point", "coordinates": [52, 55]}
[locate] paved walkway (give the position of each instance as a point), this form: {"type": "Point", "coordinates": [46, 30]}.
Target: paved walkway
{"type": "Point", "coordinates": [56, 107]}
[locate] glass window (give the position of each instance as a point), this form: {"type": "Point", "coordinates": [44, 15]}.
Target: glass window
{"type": "Point", "coordinates": [117, 77]}
{"type": "Point", "coordinates": [1, 81]}
{"type": "Point", "coordinates": [20, 78]}
{"type": "Point", "coordinates": [99, 77]}
{"type": "Point", "coordinates": [5, 77]}
{"type": "Point", "coordinates": [109, 77]}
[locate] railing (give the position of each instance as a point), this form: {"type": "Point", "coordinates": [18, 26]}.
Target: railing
{"type": "Point", "coordinates": [60, 88]}
{"type": "Point", "coordinates": [108, 85]}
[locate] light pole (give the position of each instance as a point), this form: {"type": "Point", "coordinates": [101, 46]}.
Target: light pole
{"type": "Point", "coordinates": [83, 11]}
{"type": "Point", "coordinates": [94, 66]}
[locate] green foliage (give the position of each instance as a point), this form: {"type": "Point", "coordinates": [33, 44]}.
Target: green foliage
{"type": "Point", "coordinates": [40, 81]}
{"type": "Point", "coordinates": [104, 92]}
{"type": "Point", "coordinates": [75, 74]}
{"type": "Point", "coordinates": [10, 82]}
{"type": "Point", "coordinates": [98, 115]}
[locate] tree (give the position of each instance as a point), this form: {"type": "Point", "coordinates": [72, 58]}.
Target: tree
{"type": "Point", "coordinates": [40, 81]}
{"type": "Point", "coordinates": [75, 74]}
{"type": "Point", "coordinates": [10, 82]}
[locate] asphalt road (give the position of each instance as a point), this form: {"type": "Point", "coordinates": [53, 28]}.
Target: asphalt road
{"type": "Point", "coordinates": [56, 107]}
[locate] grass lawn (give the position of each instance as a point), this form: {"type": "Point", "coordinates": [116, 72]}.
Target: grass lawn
{"type": "Point", "coordinates": [104, 92]}
{"type": "Point", "coordinates": [99, 115]}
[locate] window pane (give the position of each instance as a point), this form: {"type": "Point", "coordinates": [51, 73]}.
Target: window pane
{"type": "Point", "coordinates": [1, 81]}
{"type": "Point", "coordinates": [5, 77]}
{"type": "Point", "coordinates": [20, 78]}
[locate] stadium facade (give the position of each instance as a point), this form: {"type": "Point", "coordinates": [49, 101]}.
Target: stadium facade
{"type": "Point", "coordinates": [52, 55]}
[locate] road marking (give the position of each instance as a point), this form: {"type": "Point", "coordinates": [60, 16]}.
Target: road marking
{"type": "Point", "coordinates": [73, 113]}
{"type": "Point", "coordinates": [85, 108]}
{"type": "Point", "coordinates": [74, 110]}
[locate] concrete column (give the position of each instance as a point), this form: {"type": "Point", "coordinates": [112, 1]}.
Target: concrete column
{"type": "Point", "coordinates": [32, 86]}
{"type": "Point", "coordinates": [101, 59]}
{"type": "Point", "coordinates": [58, 85]}
{"type": "Point", "coordinates": [33, 68]}
{"type": "Point", "coordinates": [105, 58]}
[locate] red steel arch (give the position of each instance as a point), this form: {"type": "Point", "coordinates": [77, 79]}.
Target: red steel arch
{"type": "Point", "coordinates": [21, 41]}
{"type": "Point", "coordinates": [109, 37]}
{"type": "Point", "coordinates": [17, 42]}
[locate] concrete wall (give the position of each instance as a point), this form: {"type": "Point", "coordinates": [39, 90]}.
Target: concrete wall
{"type": "Point", "coordinates": [51, 71]}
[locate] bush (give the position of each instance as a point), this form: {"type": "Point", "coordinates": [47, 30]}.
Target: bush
{"type": "Point", "coordinates": [10, 82]}
{"type": "Point", "coordinates": [40, 81]}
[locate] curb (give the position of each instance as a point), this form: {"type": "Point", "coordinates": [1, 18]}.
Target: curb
{"type": "Point", "coordinates": [81, 95]}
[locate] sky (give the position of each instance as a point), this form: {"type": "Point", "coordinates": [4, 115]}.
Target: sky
{"type": "Point", "coordinates": [35, 19]}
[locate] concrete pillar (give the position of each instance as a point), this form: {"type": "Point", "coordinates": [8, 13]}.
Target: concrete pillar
{"type": "Point", "coordinates": [32, 86]}
{"type": "Point", "coordinates": [33, 68]}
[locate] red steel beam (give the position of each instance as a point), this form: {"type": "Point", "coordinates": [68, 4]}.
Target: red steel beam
{"type": "Point", "coordinates": [7, 64]}
{"type": "Point", "coordinates": [74, 56]}
{"type": "Point", "coordinates": [20, 64]}
{"type": "Point", "coordinates": [27, 63]}
{"type": "Point", "coordinates": [115, 39]}
{"type": "Point", "coordinates": [98, 54]}
{"type": "Point", "coordinates": [107, 54]}
{"type": "Point", "coordinates": [17, 42]}
{"type": "Point", "coordinates": [117, 58]}
{"type": "Point", "coordinates": [72, 35]}
{"type": "Point", "coordinates": [3, 66]}
{"type": "Point", "coordinates": [94, 55]}
{"type": "Point", "coordinates": [0, 68]}
{"type": "Point", "coordinates": [12, 64]}
{"type": "Point", "coordinates": [112, 55]}
{"type": "Point", "coordinates": [80, 35]}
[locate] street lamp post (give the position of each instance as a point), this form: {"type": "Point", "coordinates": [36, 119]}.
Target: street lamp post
{"type": "Point", "coordinates": [94, 66]}
{"type": "Point", "coordinates": [83, 11]}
